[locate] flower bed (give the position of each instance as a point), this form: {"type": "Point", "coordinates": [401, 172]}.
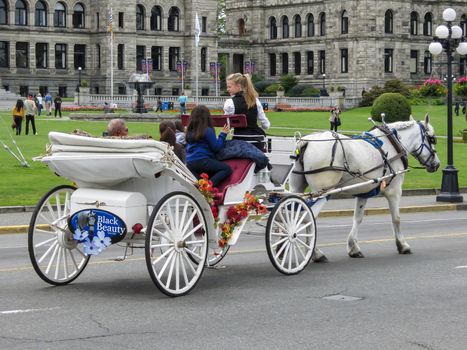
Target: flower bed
{"type": "Point", "coordinates": [433, 88]}
{"type": "Point", "coordinates": [283, 107]}
{"type": "Point", "coordinates": [460, 88]}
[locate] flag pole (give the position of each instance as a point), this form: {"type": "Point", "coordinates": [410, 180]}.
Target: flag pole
{"type": "Point", "coordinates": [197, 33]}
{"type": "Point", "coordinates": [111, 58]}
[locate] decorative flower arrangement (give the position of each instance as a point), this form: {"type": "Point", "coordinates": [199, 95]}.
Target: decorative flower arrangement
{"type": "Point", "coordinates": [460, 88]}
{"type": "Point", "coordinates": [93, 246]}
{"type": "Point", "coordinates": [432, 88]}
{"type": "Point", "coordinates": [206, 188]}
{"type": "Point", "coordinates": [236, 213]}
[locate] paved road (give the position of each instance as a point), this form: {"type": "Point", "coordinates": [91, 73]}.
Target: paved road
{"type": "Point", "coordinates": [404, 302]}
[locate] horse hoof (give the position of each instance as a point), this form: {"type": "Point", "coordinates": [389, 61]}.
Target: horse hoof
{"type": "Point", "coordinates": [405, 251]}
{"type": "Point", "coordinates": [356, 255]}
{"type": "Point", "coordinates": [322, 259]}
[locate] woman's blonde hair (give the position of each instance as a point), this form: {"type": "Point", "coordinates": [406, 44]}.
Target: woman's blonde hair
{"type": "Point", "coordinates": [246, 84]}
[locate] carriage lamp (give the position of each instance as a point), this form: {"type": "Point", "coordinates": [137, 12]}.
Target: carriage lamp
{"type": "Point", "coordinates": [449, 38]}
{"type": "Point", "coordinates": [137, 228]}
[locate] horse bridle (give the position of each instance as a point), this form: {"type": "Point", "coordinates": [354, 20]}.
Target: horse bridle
{"type": "Point", "coordinates": [431, 141]}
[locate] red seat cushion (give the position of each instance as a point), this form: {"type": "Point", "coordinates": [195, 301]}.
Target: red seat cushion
{"type": "Point", "coordinates": [240, 168]}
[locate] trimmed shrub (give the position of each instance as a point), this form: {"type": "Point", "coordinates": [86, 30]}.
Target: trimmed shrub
{"type": "Point", "coordinates": [297, 90]}
{"type": "Point", "coordinates": [288, 81]}
{"type": "Point", "coordinates": [395, 107]}
{"type": "Point", "coordinates": [261, 86]}
{"type": "Point", "coordinates": [310, 92]}
{"type": "Point", "coordinates": [370, 96]}
{"type": "Point", "coordinates": [272, 89]}
{"type": "Point", "coordinates": [396, 85]}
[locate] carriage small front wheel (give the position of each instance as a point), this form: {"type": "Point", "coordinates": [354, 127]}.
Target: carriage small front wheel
{"type": "Point", "coordinates": [291, 235]}
{"type": "Point", "coordinates": [56, 257]}
{"type": "Point", "coordinates": [176, 244]}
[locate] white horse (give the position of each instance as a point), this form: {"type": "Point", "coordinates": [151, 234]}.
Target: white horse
{"type": "Point", "coordinates": [332, 160]}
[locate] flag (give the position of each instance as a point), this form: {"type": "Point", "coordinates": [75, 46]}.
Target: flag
{"type": "Point", "coordinates": [110, 21]}
{"type": "Point", "coordinates": [197, 30]}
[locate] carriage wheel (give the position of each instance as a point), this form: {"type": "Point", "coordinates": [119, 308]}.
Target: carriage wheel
{"type": "Point", "coordinates": [56, 257]}
{"type": "Point", "coordinates": [216, 254]}
{"type": "Point", "coordinates": [176, 244]}
{"type": "Point", "coordinates": [291, 235]}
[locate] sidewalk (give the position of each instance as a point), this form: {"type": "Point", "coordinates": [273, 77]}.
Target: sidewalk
{"type": "Point", "coordinates": [16, 219]}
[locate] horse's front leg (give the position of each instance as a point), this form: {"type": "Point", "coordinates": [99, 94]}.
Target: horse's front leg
{"type": "Point", "coordinates": [352, 242]}
{"type": "Point", "coordinates": [394, 201]}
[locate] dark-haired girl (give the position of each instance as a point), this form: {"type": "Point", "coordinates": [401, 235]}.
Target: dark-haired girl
{"type": "Point", "coordinates": [202, 146]}
{"type": "Point", "coordinates": [18, 115]}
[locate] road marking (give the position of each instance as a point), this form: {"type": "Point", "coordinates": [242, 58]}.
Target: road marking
{"type": "Point", "coordinates": [19, 311]}
{"type": "Point", "coordinates": [461, 267]}
{"type": "Point", "coordinates": [368, 223]}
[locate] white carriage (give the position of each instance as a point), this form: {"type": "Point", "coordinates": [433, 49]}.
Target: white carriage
{"type": "Point", "coordinates": [138, 193]}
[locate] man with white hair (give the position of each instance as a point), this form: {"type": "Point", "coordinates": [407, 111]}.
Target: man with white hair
{"type": "Point", "coordinates": [117, 127]}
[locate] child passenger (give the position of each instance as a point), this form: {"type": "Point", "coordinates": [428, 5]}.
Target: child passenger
{"type": "Point", "coordinates": [202, 146]}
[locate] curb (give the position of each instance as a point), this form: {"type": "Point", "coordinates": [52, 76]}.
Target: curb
{"type": "Point", "coordinates": [323, 214]}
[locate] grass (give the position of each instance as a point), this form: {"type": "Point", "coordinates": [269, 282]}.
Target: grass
{"type": "Point", "coordinates": [25, 186]}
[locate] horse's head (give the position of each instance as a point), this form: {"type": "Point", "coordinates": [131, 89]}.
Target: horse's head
{"type": "Point", "coordinates": [424, 145]}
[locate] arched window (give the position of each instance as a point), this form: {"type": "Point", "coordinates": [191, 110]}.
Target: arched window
{"type": "Point", "coordinates": [241, 26]}
{"type": "Point", "coordinates": [139, 17]}
{"type": "Point", "coordinates": [428, 24]}
{"type": "Point", "coordinates": [285, 27]}
{"type": "Point", "coordinates": [59, 15]}
{"type": "Point", "coordinates": [388, 22]}
{"type": "Point", "coordinates": [78, 16]}
{"type": "Point", "coordinates": [3, 12]}
{"type": "Point", "coordinates": [427, 62]}
{"type": "Point", "coordinates": [310, 26]}
{"type": "Point", "coordinates": [322, 24]}
{"type": "Point", "coordinates": [156, 18]}
{"type": "Point", "coordinates": [414, 23]}
{"type": "Point", "coordinates": [41, 14]}
{"type": "Point", "coordinates": [272, 28]}
{"type": "Point", "coordinates": [464, 24]}
{"type": "Point", "coordinates": [203, 59]}
{"type": "Point", "coordinates": [344, 22]}
{"type": "Point", "coordinates": [174, 17]}
{"type": "Point", "coordinates": [21, 13]}
{"type": "Point", "coordinates": [298, 26]}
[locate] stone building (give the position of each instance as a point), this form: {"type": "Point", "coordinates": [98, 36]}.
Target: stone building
{"type": "Point", "coordinates": [353, 44]}
{"type": "Point", "coordinates": [50, 45]}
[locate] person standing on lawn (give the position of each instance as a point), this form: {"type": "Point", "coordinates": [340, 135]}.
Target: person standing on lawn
{"type": "Point", "coordinates": [183, 99]}
{"type": "Point", "coordinates": [335, 119]}
{"type": "Point", "coordinates": [48, 103]}
{"type": "Point", "coordinates": [58, 105]}
{"type": "Point", "coordinates": [30, 112]}
{"type": "Point", "coordinates": [18, 116]}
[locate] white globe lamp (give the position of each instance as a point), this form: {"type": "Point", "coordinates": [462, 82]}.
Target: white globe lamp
{"type": "Point", "coordinates": [435, 48]}
{"type": "Point", "coordinates": [449, 15]}
{"type": "Point", "coordinates": [442, 31]}
{"type": "Point", "coordinates": [462, 49]}
{"type": "Point", "coordinates": [456, 32]}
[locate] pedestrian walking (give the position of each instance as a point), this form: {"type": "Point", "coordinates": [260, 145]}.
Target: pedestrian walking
{"type": "Point", "coordinates": [48, 103]}
{"type": "Point", "coordinates": [335, 119]}
{"type": "Point", "coordinates": [30, 112]}
{"type": "Point", "coordinates": [159, 104]}
{"type": "Point", "coordinates": [18, 116]}
{"type": "Point", "coordinates": [58, 105]}
{"type": "Point", "coordinates": [183, 99]}
{"type": "Point", "coordinates": [456, 108]}
{"type": "Point", "coordinates": [39, 105]}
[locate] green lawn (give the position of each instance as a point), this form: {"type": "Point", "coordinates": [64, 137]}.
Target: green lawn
{"type": "Point", "coordinates": [24, 186]}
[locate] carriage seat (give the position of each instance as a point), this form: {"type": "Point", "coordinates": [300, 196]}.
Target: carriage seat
{"type": "Point", "coordinates": [233, 120]}
{"type": "Point", "coordinates": [240, 169]}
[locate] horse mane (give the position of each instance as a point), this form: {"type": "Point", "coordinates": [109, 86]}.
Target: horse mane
{"type": "Point", "coordinates": [401, 125]}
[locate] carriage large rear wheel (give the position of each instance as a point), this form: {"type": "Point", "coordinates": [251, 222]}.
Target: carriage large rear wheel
{"type": "Point", "coordinates": [56, 257]}
{"type": "Point", "coordinates": [176, 244]}
{"type": "Point", "coordinates": [291, 235]}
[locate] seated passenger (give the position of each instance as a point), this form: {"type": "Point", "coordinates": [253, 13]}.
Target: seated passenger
{"type": "Point", "coordinates": [167, 132]}
{"type": "Point", "coordinates": [180, 133]}
{"type": "Point", "coordinates": [202, 146]}
{"type": "Point", "coordinates": [117, 127]}
{"type": "Point", "coordinates": [244, 100]}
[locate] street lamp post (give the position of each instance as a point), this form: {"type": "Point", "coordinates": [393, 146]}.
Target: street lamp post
{"type": "Point", "coordinates": [79, 82]}
{"type": "Point", "coordinates": [449, 37]}
{"type": "Point", "coordinates": [324, 81]}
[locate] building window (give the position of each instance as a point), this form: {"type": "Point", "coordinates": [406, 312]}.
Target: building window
{"type": "Point", "coordinates": [62, 91]}
{"type": "Point", "coordinates": [310, 62]}
{"type": "Point", "coordinates": [427, 63]}
{"type": "Point", "coordinates": [156, 55]}
{"type": "Point", "coordinates": [322, 62]}
{"type": "Point", "coordinates": [173, 22]}
{"type": "Point", "coordinates": [388, 57]}
{"type": "Point", "coordinates": [204, 25]}
{"type": "Point", "coordinates": [463, 24]}
{"type": "Point", "coordinates": [388, 22]}
{"type": "Point", "coordinates": [414, 23]}
{"type": "Point", "coordinates": [158, 91]}
{"type": "Point", "coordinates": [176, 91]}
{"type": "Point", "coordinates": [120, 19]}
{"type": "Point", "coordinates": [3, 12]}
{"type": "Point", "coordinates": [139, 17]}
{"type": "Point", "coordinates": [120, 56]}
{"type": "Point", "coordinates": [203, 59]}
{"type": "Point", "coordinates": [462, 65]}
{"type": "Point", "coordinates": [41, 55]}
{"type": "Point", "coordinates": [428, 24]}
{"type": "Point", "coordinates": [98, 53]}
{"type": "Point", "coordinates": [59, 15]}
{"type": "Point", "coordinates": [310, 26]}
{"type": "Point", "coordinates": [60, 56]}
{"type": "Point", "coordinates": [272, 64]}
{"type": "Point", "coordinates": [413, 61]}
{"type": "Point", "coordinates": [204, 91]}
{"type": "Point", "coordinates": [78, 16]}
{"type": "Point", "coordinates": [285, 27]}
{"type": "Point", "coordinates": [272, 28]}
{"type": "Point", "coordinates": [241, 26]}
{"type": "Point", "coordinates": [285, 63]}
{"type": "Point", "coordinates": [140, 55]}
{"type": "Point", "coordinates": [174, 56]}
{"type": "Point", "coordinates": [4, 54]}
{"type": "Point", "coordinates": [298, 26]}
{"type": "Point", "coordinates": [122, 90]}
{"type": "Point", "coordinates": [43, 90]}
{"type": "Point", "coordinates": [297, 58]}
{"type": "Point", "coordinates": [22, 53]}
{"type": "Point", "coordinates": [97, 20]}
{"type": "Point", "coordinates": [322, 24]}
{"type": "Point", "coordinates": [41, 14]}
{"type": "Point", "coordinates": [156, 18]}
{"type": "Point", "coordinates": [344, 23]}
{"type": "Point", "coordinates": [344, 60]}
{"type": "Point", "coordinates": [21, 13]}
{"type": "Point", "coordinates": [79, 56]}
{"type": "Point", "coordinates": [24, 90]}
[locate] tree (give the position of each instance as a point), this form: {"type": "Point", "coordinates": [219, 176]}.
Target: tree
{"type": "Point", "coordinates": [288, 81]}
{"type": "Point", "coordinates": [221, 17]}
